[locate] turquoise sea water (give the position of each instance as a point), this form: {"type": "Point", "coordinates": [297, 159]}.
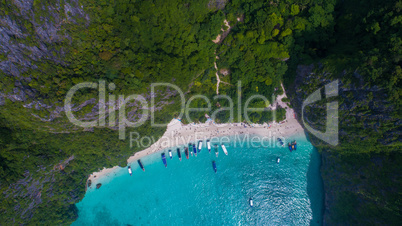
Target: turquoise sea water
{"type": "Point", "coordinates": [189, 192]}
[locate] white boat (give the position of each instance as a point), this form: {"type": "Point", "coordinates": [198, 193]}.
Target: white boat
{"type": "Point", "coordinates": [170, 154]}
{"type": "Point", "coordinates": [209, 145]}
{"type": "Point", "coordinates": [278, 160]}
{"type": "Point", "coordinates": [129, 171]}
{"type": "Point", "coordinates": [251, 202]}
{"type": "Point", "coordinates": [224, 149]}
{"type": "Point", "coordinates": [199, 145]}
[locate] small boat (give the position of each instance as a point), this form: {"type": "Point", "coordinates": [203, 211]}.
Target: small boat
{"type": "Point", "coordinates": [190, 147]}
{"type": "Point", "coordinates": [280, 142]}
{"type": "Point", "coordinates": [199, 145]}
{"type": "Point", "coordinates": [179, 153]}
{"type": "Point", "coordinates": [170, 154]}
{"type": "Point", "coordinates": [164, 159]}
{"type": "Point", "coordinates": [294, 145]}
{"type": "Point", "coordinates": [250, 201]}
{"type": "Point", "coordinates": [209, 145]}
{"type": "Point", "coordinates": [194, 150]}
{"type": "Point", "coordinates": [290, 147]}
{"type": "Point", "coordinates": [129, 170]}
{"type": "Point", "coordinates": [278, 160]}
{"type": "Point", "coordinates": [186, 152]}
{"type": "Point", "coordinates": [141, 166]}
{"type": "Point", "coordinates": [214, 165]}
{"type": "Point", "coordinates": [216, 150]}
{"type": "Point", "coordinates": [224, 149]}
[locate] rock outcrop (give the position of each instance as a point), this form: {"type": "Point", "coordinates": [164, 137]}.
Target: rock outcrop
{"type": "Point", "coordinates": [20, 57]}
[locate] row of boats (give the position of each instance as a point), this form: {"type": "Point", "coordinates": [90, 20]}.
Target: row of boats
{"type": "Point", "coordinates": [193, 150]}
{"type": "Point", "coordinates": [190, 150]}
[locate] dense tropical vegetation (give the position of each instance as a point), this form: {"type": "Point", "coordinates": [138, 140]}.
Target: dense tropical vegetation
{"type": "Point", "coordinates": [45, 160]}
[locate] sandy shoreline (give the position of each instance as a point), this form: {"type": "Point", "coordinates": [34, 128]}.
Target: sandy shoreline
{"type": "Point", "coordinates": [178, 134]}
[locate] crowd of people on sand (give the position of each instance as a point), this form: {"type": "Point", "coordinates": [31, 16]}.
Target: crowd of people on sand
{"type": "Point", "coordinates": [181, 131]}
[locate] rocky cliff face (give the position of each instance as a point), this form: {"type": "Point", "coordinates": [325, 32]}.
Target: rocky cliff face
{"type": "Point", "coordinates": [32, 33]}
{"type": "Point", "coordinates": [29, 34]}
{"type": "Point", "coordinates": [26, 21]}
{"type": "Point", "coordinates": [358, 171]}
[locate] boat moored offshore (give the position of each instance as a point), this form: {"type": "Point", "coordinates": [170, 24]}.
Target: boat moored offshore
{"type": "Point", "coordinates": [280, 142]}
{"type": "Point", "coordinates": [199, 145]}
{"type": "Point", "coordinates": [209, 145]}
{"type": "Point", "coordinates": [141, 166]}
{"type": "Point", "coordinates": [129, 170]}
{"type": "Point", "coordinates": [186, 152]}
{"type": "Point", "coordinates": [179, 153]}
{"type": "Point", "coordinates": [250, 201]}
{"type": "Point", "coordinates": [194, 150]}
{"type": "Point", "coordinates": [214, 166]}
{"type": "Point", "coordinates": [190, 147]}
{"type": "Point", "coordinates": [292, 146]}
{"type": "Point", "coordinates": [164, 159]}
{"type": "Point", "coordinates": [216, 150]}
{"type": "Point", "coordinates": [170, 154]}
{"type": "Point", "coordinates": [224, 149]}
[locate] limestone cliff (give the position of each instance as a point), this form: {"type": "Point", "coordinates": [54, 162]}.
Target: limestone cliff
{"type": "Point", "coordinates": [360, 174]}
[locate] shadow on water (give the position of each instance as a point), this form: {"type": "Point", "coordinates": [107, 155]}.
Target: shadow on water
{"type": "Point", "coordinates": [103, 217]}
{"type": "Point", "coordinates": [315, 187]}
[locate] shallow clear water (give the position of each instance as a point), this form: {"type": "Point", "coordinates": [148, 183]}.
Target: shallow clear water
{"type": "Point", "coordinates": [189, 192]}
